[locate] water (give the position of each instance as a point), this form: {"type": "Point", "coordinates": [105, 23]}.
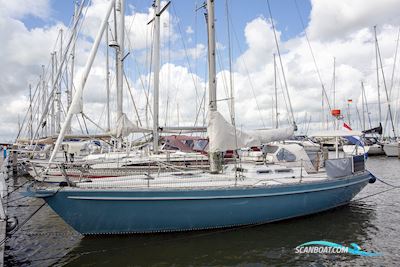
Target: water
{"type": "Point", "coordinates": [372, 223]}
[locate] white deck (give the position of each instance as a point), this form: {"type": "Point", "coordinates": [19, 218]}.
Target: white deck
{"type": "Point", "coordinates": [277, 175]}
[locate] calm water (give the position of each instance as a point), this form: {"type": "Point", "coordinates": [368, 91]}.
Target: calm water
{"type": "Point", "coordinates": [372, 223]}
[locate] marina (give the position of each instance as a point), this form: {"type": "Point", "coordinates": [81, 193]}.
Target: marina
{"type": "Point", "coordinates": [370, 221]}
{"type": "Point", "coordinates": [128, 154]}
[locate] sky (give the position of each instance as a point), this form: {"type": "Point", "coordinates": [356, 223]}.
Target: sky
{"type": "Point", "coordinates": [339, 29]}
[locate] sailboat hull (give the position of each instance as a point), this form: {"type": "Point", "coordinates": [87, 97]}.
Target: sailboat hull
{"type": "Point", "coordinates": [391, 149]}
{"type": "Point", "coordinates": [140, 211]}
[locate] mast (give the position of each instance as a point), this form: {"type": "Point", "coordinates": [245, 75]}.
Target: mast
{"type": "Point", "coordinates": [44, 99]}
{"type": "Point", "coordinates": [276, 96]}
{"type": "Point", "coordinates": [348, 110]}
{"type": "Point", "coordinates": [156, 79]}
{"type": "Point", "coordinates": [377, 76]}
{"type": "Point", "coordinates": [215, 157]}
{"type": "Point", "coordinates": [58, 119]}
{"type": "Point", "coordinates": [212, 84]}
{"type": "Point", "coordinates": [120, 10]}
{"type": "Point", "coordinates": [334, 82]}
{"type": "Point", "coordinates": [53, 94]}
{"type": "Point", "coordinates": [81, 85]}
{"type": "Point", "coordinates": [30, 113]}
{"type": "Point", "coordinates": [362, 105]}
{"type": "Point", "coordinates": [385, 87]}
{"type": "Point", "coordinates": [107, 79]}
{"type": "Point", "coordinates": [71, 85]}
{"type": "Point", "coordinates": [232, 100]}
{"type": "Point", "coordinates": [366, 104]}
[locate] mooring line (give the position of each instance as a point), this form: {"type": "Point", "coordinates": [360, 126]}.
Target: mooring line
{"type": "Point", "coordinates": [382, 181]}
{"type": "Point", "coordinates": [16, 188]}
{"type": "Point", "coordinates": [22, 224]}
{"type": "Point", "coordinates": [380, 192]}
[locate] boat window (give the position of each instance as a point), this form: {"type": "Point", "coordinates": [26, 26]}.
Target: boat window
{"type": "Point", "coordinates": [263, 171]}
{"type": "Point", "coordinates": [189, 143]}
{"type": "Point", "coordinates": [285, 155]}
{"type": "Point", "coordinates": [270, 149]}
{"type": "Point", "coordinates": [358, 163]}
{"type": "Point", "coordinates": [283, 170]}
{"type": "Point", "coordinates": [239, 169]}
{"type": "Point", "coordinates": [200, 144]}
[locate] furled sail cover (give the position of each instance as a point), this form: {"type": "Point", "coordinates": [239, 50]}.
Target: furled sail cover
{"type": "Point", "coordinates": [77, 107]}
{"type": "Point", "coordinates": [125, 127]}
{"type": "Point", "coordinates": [222, 134]}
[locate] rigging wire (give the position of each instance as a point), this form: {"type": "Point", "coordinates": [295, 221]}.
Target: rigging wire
{"type": "Point", "coordinates": [232, 101]}
{"type": "Point", "coordinates": [312, 55]}
{"type": "Point", "coordinates": [187, 60]}
{"type": "Point", "coordinates": [384, 84]}
{"type": "Point", "coordinates": [281, 63]}
{"type": "Point", "coordinates": [278, 72]}
{"type": "Point", "coordinates": [247, 72]}
{"type": "Point", "coordinates": [392, 78]}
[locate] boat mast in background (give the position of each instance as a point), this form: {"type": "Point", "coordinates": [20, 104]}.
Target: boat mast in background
{"type": "Point", "coordinates": [384, 84]}
{"type": "Point", "coordinates": [79, 91]}
{"type": "Point", "coordinates": [107, 79]}
{"type": "Point", "coordinates": [276, 96]}
{"type": "Point", "coordinates": [156, 76]}
{"type": "Point", "coordinates": [53, 89]}
{"type": "Point", "coordinates": [44, 106]}
{"type": "Point", "coordinates": [120, 10]}
{"type": "Point", "coordinates": [71, 85]}
{"type": "Point", "coordinates": [377, 77]}
{"type": "Point", "coordinates": [58, 92]}
{"type": "Point", "coordinates": [30, 113]}
{"type": "Point", "coordinates": [362, 106]}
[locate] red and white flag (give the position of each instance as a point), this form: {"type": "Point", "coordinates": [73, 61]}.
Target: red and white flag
{"type": "Point", "coordinates": [346, 126]}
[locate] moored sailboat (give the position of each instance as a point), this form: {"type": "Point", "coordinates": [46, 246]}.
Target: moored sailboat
{"type": "Point", "coordinates": [228, 195]}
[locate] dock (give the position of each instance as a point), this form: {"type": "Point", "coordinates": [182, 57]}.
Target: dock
{"type": "Point", "coordinates": [3, 206]}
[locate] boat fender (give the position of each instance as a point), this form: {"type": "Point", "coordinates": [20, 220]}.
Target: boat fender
{"type": "Point", "coordinates": [372, 180]}
{"type": "Point", "coordinates": [11, 223]}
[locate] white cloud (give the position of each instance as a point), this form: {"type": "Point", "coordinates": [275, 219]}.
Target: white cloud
{"type": "Point", "coordinates": [139, 32]}
{"type": "Point", "coordinates": [337, 29]}
{"type": "Point", "coordinates": [22, 8]}
{"type": "Point", "coordinates": [338, 19]}
{"type": "Point", "coordinates": [261, 46]}
{"type": "Point", "coordinates": [189, 30]}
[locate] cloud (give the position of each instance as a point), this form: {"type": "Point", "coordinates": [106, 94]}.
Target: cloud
{"type": "Point", "coordinates": [21, 8]}
{"type": "Point", "coordinates": [138, 31]}
{"type": "Point", "coordinates": [189, 30]}
{"type": "Point", "coordinates": [337, 29]}
{"type": "Point", "coordinates": [260, 40]}
{"type": "Point", "coordinates": [338, 19]}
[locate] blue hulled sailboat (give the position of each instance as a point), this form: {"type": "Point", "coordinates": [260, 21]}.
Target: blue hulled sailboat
{"type": "Point", "coordinates": [276, 183]}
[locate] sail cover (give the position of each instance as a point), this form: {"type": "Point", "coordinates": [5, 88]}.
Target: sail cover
{"type": "Point", "coordinates": [126, 127]}
{"type": "Point", "coordinates": [222, 134]}
{"type": "Point", "coordinates": [77, 107]}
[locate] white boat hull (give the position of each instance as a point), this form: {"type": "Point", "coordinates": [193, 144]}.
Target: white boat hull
{"type": "Point", "coordinates": [353, 150]}
{"type": "Point", "coordinates": [391, 149]}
